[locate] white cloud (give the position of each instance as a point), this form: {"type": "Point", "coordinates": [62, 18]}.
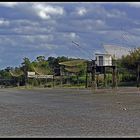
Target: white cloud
{"type": "Point", "coordinates": [101, 12]}
{"type": "Point", "coordinates": [9, 4]}
{"type": "Point", "coordinates": [32, 29]}
{"type": "Point", "coordinates": [115, 13]}
{"type": "Point", "coordinates": [43, 15]}
{"type": "Point", "coordinates": [90, 24]}
{"type": "Point", "coordinates": [47, 11]}
{"type": "Point", "coordinates": [4, 22]}
{"type": "Point", "coordinates": [46, 46]}
{"type": "Point", "coordinates": [24, 22]}
{"type": "Point", "coordinates": [40, 38]}
{"type": "Point", "coordinates": [108, 2]}
{"type": "Point", "coordinates": [5, 40]}
{"type": "Point", "coordinates": [68, 36]}
{"type": "Point", "coordinates": [81, 11]}
{"type": "Point", "coordinates": [72, 35]}
{"type": "Point", "coordinates": [100, 22]}
{"type": "Point", "coordinates": [133, 4]}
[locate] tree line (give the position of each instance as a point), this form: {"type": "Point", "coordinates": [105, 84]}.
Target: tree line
{"type": "Point", "coordinates": [127, 68]}
{"type": "Point", "coordinates": [50, 66]}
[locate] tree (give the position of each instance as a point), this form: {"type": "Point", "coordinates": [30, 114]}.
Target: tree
{"type": "Point", "coordinates": [40, 59]}
{"type": "Point", "coordinates": [26, 66]}
{"type": "Point", "coordinates": [130, 61]}
{"type": "Point", "coordinates": [129, 65]}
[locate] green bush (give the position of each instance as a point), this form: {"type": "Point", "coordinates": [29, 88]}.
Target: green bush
{"type": "Point", "coordinates": [35, 82]}
{"type": "Point", "coordinates": [49, 86]}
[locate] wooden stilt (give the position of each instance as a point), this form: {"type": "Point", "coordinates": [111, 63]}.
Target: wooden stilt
{"type": "Point", "coordinates": [93, 75]}
{"type": "Point", "coordinates": [114, 77]}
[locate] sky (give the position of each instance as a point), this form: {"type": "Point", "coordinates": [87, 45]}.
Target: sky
{"type": "Point", "coordinates": [71, 29]}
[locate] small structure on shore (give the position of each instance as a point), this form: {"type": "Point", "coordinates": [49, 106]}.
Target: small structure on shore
{"type": "Point", "coordinates": [103, 59]}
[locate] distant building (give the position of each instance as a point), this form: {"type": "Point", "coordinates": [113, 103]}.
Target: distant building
{"type": "Point", "coordinates": [103, 59]}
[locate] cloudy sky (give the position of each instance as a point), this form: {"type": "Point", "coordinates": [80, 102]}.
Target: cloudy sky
{"type": "Point", "coordinates": [30, 29]}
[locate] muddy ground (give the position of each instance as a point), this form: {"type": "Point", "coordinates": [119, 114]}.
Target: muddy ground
{"type": "Point", "coordinates": [69, 113]}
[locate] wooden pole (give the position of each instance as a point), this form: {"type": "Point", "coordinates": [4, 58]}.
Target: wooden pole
{"type": "Point", "coordinates": [26, 79]}
{"type": "Point", "coordinates": [97, 80]}
{"type": "Point", "coordinates": [53, 80]}
{"type": "Point", "coordinates": [104, 76]}
{"type": "Point", "coordinates": [77, 77]}
{"type": "Point", "coordinates": [86, 77]}
{"type": "Point", "coordinates": [88, 68]}
{"type": "Point", "coordinates": [46, 82]}
{"type": "Point", "coordinates": [114, 77]}
{"type": "Point", "coordinates": [61, 76]}
{"type": "Point", "coordinates": [138, 81]}
{"type": "Point", "coordinates": [53, 77]}
{"type": "Point", "coordinates": [93, 75]}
